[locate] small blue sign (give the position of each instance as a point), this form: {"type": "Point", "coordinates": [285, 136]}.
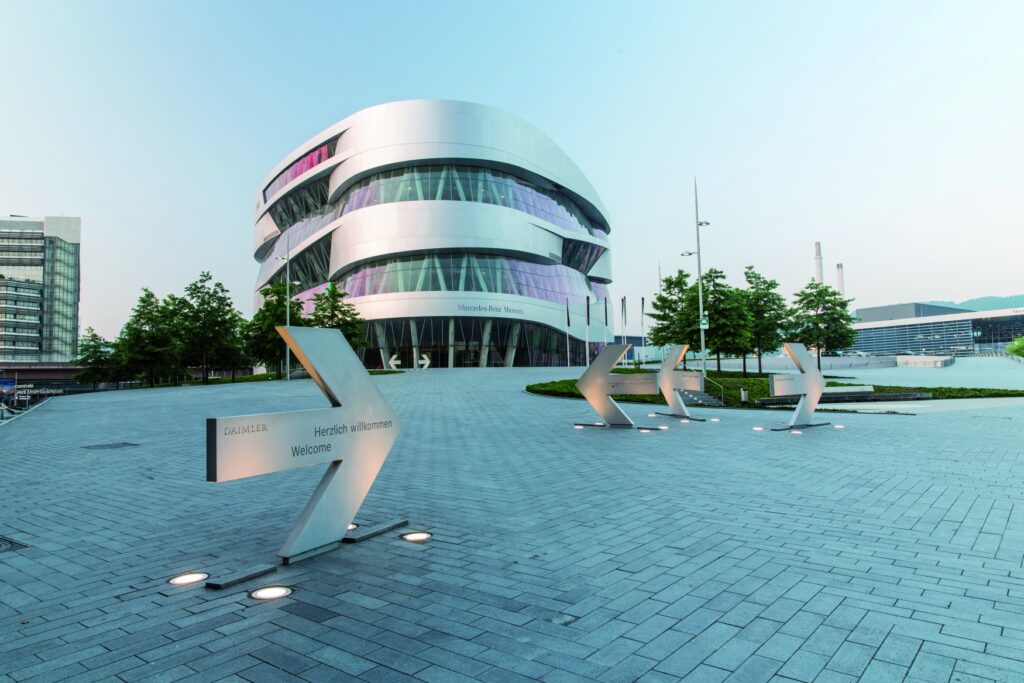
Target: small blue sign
{"type": "Point", "coordinates": [6, 386]}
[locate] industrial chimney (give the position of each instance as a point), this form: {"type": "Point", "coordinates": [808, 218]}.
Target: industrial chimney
{"type": "Point", "coordinates": [840, 283]}
{"type": "Point", "coordinates": [818, 274]}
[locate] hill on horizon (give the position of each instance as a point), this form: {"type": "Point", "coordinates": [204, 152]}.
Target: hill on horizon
{"type": "Point", "coordinates": [985, 303]}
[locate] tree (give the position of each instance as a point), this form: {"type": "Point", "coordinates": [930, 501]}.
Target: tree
{"type": "Point", "coordinates": [1016, 347]}
{"type": "Point", "coordinates": [332, 311]}
{"type": "Point", "coordinates": [732, 330]}
{"type": "Point", "coordinates": [96, 356]}
{"type": "Point", "coordinates": [147, 345]}
{"type": "Point", "coordinates": [725, 307]}
{"type": "Point", "coordinates": [263, 344]}
{"type": "Point", "coordinates": [674, 321]}
{"type": "Point", "coordinates": [210, 326]}
{"type": "Point", "coordinates": [768, 312]}
{"type": "Point", "coordinates": [821, 319]}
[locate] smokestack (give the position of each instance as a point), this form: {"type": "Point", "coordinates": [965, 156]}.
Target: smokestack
{"type": "Point", "coordinates": [818, 274]}
{"type": "Point", "coordinates": [840, 283]}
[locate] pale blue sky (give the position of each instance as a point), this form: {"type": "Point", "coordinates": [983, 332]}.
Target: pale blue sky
{"type": "Point", "coordinates": [890, 131]}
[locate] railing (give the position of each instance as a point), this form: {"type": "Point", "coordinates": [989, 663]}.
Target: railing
{"type": "Point", "coordinates": [720, 388]}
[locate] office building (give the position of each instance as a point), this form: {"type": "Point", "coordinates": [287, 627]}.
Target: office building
{"type": "Point", "coordinates": [39, 289]}
{"type": "Point", "coordinates": [924, 328]}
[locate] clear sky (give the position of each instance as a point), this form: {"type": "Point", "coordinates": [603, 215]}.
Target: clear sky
{"type": "Point", "coordinates": [890, 131]}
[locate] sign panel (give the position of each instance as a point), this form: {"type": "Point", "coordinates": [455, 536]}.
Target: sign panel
{"type": "Point", "coordinates": [705, 323]}
{"type": "Point", "coordinates": [353, 439]}
{"type": "Point", "coordinates": [598, 383]}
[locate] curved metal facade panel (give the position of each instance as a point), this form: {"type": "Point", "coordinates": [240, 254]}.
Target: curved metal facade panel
{"type": "Point", "coordinates": [309, 187]}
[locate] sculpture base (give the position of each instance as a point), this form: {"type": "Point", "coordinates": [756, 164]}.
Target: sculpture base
{"type": "Point", "coordinates": [683, 417]}
{"type": "Point", "coordinates": [602, 425]}
{"type": "Point", "coordinates": [354, 536]}
{"type": "Point", "coordinates": [807, 426]}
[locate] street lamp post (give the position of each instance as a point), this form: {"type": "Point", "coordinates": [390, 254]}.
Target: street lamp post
{"type": "Point", "coordinates": [287, 301]}
{"type": "Point", "coordinates": [700, 282]}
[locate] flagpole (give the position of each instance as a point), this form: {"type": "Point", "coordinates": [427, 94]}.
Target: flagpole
{"type": "Point", "coordinates": [586, 343]}
{"type": "Point", "coordinates": [568, 324]}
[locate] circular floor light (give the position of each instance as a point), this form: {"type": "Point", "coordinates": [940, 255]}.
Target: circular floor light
{"type": "Point", "coordinates": [650, 414]}
{"type": "Point", "coordinates": [758, 429]}
{"type": "Point", "coordinates": [577, 426]}
{"type": "Point", "coordinates": [352, 526]}
{"type": "Point", "coordinates": [840, 426]}
{"type": "Point", "coordinates": [663, 427]}
{"type": "Point", "coordinates": [645, 431]}
{"type": "Point", "coordinates": [417, 536]}
{"type": "Point", "coordinates": [685, 422]}
{"type": "Point", "coordinates": [795, 431]}
{"type": "Point", "coordinates": [188, 578]}
{"type": "Point", "coordinates": [270, 592]}
{"type": "Point", "coordinates": [715, 419]}
{"type": "Point", "coordinates": [599, 424]}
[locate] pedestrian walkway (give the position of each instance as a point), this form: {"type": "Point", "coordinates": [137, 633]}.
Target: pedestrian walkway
{"type": "Point", "coordinates": [890, 548]}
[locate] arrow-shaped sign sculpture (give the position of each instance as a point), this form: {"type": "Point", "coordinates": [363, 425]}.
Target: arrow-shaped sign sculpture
{"type": "Point", "coordinates": [352, 438]}
{"type": "Point", "coordinates": [598, 383]}
{"type": "Point", "coordinates": [672, 384]}
{"type": "Point", "coordinates": [394, 362]}
{"type": "Point", "coordinates": [424, 361]}
{"type": "Point", "coordinates": [809, 385]}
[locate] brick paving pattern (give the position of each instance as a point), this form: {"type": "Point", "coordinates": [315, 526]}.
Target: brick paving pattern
{"type": "Point", "coordinates": [889, 550]}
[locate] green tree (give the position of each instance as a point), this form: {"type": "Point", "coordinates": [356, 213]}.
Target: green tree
{"type": "Point", "coordinates": [210, 325]}
{"type": "Point", "coordinates": [821, 319]}
{"type": "Point", "coordinates": [332, 311]}
{"type": "Point", "coordinates": [768, 313]}
{"type": "Point", "coordinates": [96, 356]}
{"type": "Point", "coordinates": [263, 344]}
{"type": "Point", "coordinates": [146, 345]}
{"type": "Point", "coordinates": [1016, 347]}
{"type": "Point", "coordinates": [728, 319]}
{"type": "Point", "coordinates": [674, 321]}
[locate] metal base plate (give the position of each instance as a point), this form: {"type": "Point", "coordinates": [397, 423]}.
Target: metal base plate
{"type": "Point", "coordinates": [808, 426]}
{"type": "Point", "coordinates": [608, 426]}
{"type": "Point", "coordinates": [683, 417]}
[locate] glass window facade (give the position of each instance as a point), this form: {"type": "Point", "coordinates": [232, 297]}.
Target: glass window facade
{"type": "Point", "coordinates": [308, 161]}
{"type": "Point", "coordinates": [463, 272]}
{"type": "Point", "coordinates": [956, 337]}
{"type": "Point", "coordinates": [468, 184]}
{"type": "Point", "coordinates": [470, 342]}
{"type": "Point", "coordinates": [61, 289]}
{"type": "Point", "coordinates": [445, 182]}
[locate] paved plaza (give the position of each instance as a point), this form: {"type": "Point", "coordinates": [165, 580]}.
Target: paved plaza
{"type": "Point", "coordinates": [890, 549]}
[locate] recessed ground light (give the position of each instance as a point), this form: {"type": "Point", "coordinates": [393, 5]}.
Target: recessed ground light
{"type": "Point", "coordinates": [839, 426]}
{"type": "Point", "coordinates": [650, 414]}
{"type": "Point", "coordinates": [663, 427]}
{"type": "Point", "coordinates": [645, 431]}
{"type": "Point", "coordinates": [188, 578]}
{"type": "Point", "coordinates": [270, 592]}
{"type": "Point", "coordinates": [599, 424]}
{"type": "Point", "coordinates": [577, 426]}
{"type": "Point", "coordinates": [417, 536]}
{"type": "Point", "coordinates": [758, 429]}
{"type": "Point", "coordinates": [685, 422]}
{"type": "Point", "coordinates": [715, 419]}
{"type": "Point", "coordinates": [795, 431]}
{"type": "Point", "coordinates": [352, 526]}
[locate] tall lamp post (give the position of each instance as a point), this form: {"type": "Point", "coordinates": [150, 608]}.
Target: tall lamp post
{"type": "Point", "coordinates": [287, 258]}
{"type": "Point", "coordinates": [700, 281]}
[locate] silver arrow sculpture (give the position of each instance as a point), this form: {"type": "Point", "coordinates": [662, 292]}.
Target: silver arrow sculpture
{"type": "Point", "coordinates": [353, 438]}
{"type": "Point", "coordinates": [598, 383]}
{"type": "Point", "coordinates": [808, 385]}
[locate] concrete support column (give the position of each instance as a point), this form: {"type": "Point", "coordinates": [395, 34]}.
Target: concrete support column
{"type": "Point", "coordinates": [513, 342]}
{"type": "Point", "coordinates": [485, 344]}
{"type": "Point", "coordinates": [415, 344]}
{"type": "Point", "coordinates": [451, 342]}
{"type": "Point", "coordinates": [382, 343]}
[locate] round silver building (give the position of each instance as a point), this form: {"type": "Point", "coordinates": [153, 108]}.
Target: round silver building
{"type": "Point", "coordinates": [463, 234]}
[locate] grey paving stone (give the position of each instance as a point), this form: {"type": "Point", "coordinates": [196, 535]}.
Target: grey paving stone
{"type": "Point", "coordinates": [891, 547]}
